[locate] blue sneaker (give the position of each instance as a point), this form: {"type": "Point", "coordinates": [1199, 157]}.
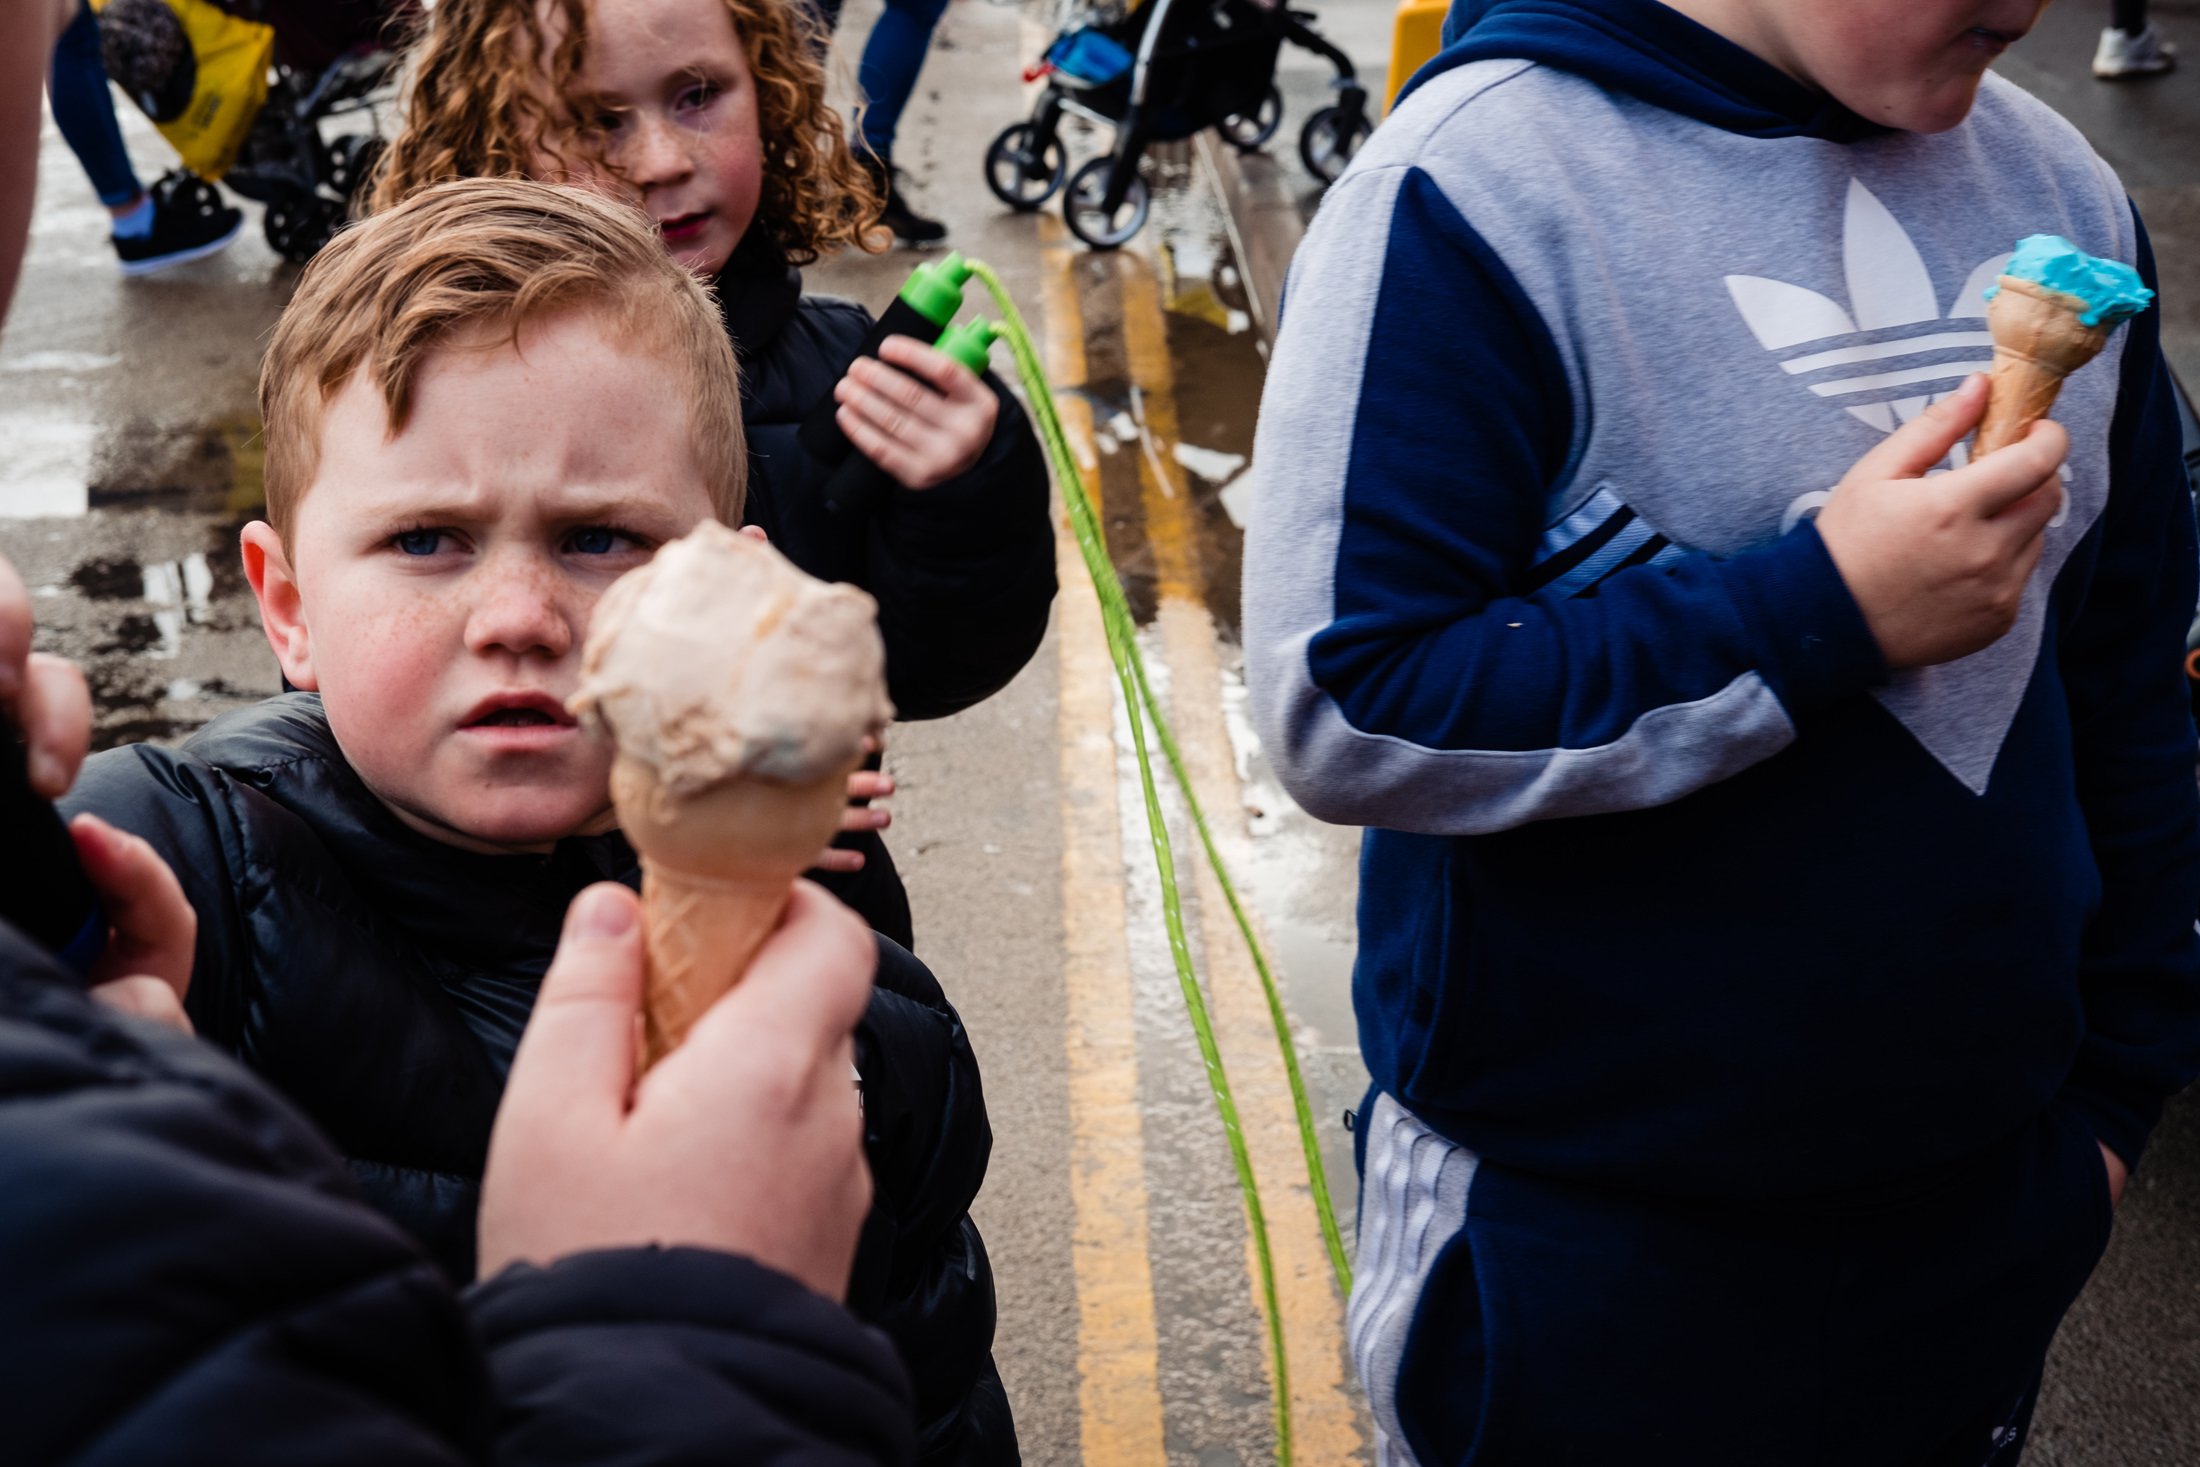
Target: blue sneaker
{"type": "Point", "coordinates": [190, 222]}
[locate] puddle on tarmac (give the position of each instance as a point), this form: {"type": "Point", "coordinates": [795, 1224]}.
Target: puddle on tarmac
{"type": "Point", "coordinates": [1216, 367]}
{"type": "Point", "coordinates": [134, 573]}
{"type": "Point", "coordinates": [1219, 372]}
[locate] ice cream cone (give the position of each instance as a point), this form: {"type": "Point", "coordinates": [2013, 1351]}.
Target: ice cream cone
{"type": "Point", "coordinates": [2038, 340]}
{"type": "Point", "coordinates": [717, 867]}
{"type": "Point", "coordinates": [740, 693]}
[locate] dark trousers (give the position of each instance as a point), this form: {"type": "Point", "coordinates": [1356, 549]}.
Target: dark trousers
{"type": "Point", "coordinates": [84, 111]}
{"type": "Point", "coordinates": [1506, 1320]}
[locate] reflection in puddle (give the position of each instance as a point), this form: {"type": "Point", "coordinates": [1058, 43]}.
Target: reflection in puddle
{"type": "Point", "coordinates": [216, 466]}
{"type": "Point", "coordinates": [65, 470]}
{"type": "Point", "coordinates": [180, 591]}
{"type": "Point", "coordinates": [151, 603]}
{"type": "Point", "coordinates": [128, 530]}
{"type": "Point", "coordinates": [61, 363]}
{"type": "Point", "coordinates": [46, 470]}
{"type": "Point", "coordinates": [109, 580]}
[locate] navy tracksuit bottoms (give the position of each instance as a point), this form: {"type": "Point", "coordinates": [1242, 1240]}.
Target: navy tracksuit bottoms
{"type": "Point", "coordinates": [1503, 1319]}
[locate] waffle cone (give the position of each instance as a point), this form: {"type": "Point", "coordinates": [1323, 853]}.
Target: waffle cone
{"type": "Point", "coordinates": [2038, 341]}
{"type": "Point", "coordinates": [700, 935]}
{"type": "Point", "coordinates": [717, 868]}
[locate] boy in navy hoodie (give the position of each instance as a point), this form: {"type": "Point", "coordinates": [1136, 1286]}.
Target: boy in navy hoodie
{"type": "Point", "coordinates": [1776, 920]}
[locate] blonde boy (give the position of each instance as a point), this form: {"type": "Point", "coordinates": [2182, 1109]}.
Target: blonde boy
{"type": "Point", "coordinates": [480, 412]}
{"type": "Point", "coordinates": [482, 407]}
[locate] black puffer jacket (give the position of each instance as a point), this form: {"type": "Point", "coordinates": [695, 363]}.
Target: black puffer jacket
{"type": "Point", "coordinates": [380, 980]}
{"type": "Point", "coordinates": [186, 1276]}
{"type": "Point", "coordinates": [963, 572]}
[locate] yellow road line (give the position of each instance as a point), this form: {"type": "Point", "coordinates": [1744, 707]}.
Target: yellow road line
{"type": "Point", "coordinates": [1118, 1353]}
{"type": "Point", "coordinates": [1324, 1421]}
{"type": "Point", "coordinates": [1169, 524]}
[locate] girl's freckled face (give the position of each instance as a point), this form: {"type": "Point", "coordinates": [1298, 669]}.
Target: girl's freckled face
{"type": "Point", "coordinates": [677, 119]}
{"type": "Point", "coordinates": [446, 576]}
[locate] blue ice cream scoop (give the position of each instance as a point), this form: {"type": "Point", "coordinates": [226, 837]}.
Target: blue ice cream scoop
{"type": "Point", "coordinates": [2107, 291]}
{"type": "Point", "coordinates": [2050, 313]}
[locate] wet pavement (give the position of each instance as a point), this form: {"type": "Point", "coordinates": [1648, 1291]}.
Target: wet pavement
{"type": "Point", "coordinates": [2148, 129]}
{"type": "Point", "coordinates": [134, 457]}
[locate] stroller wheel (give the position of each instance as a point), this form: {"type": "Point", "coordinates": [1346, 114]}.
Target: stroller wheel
{"type": "Point", "coordinates": [1330, 138]}
{"type": "Point", "coordinates": [297, 225]}
{"type": "Point", "coordinates": [1019, 175]}
{"type": "Point", "coordinates": [1084, 207]}
{"type": "Point", "coordinates": [351, 159]}
{"type": "Point", "coordinates": [1248, 133]}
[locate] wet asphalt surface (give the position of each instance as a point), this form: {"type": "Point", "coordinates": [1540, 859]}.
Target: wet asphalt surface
{"type": "Point", "coordinates": [132, 459]}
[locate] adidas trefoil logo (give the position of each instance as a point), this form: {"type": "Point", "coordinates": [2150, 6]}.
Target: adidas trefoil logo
{"type": "Point", "coordinates": [1891, 351]}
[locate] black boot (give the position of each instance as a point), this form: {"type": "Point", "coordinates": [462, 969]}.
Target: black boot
{"type": "Point", "coordinates": [908, 225]}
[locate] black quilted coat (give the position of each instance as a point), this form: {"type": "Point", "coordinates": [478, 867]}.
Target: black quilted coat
{"type": "Point", "coordinates": [380, 981]}
{"type": "Point", "coordinates": [963, 572]}
{"type": "Point", "coordinates": [187, 1276]}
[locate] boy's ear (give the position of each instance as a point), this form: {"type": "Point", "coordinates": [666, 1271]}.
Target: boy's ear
{"type": "Point", "coordinates": [282, 611]}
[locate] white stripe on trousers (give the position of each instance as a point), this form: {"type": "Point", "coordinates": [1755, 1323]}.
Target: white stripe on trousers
{"type": "Point", "coordinates": [1413, 1200]}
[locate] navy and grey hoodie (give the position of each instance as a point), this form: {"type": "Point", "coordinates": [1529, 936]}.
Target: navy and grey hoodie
{"type": "Point", "coordinates": [1669, 882]}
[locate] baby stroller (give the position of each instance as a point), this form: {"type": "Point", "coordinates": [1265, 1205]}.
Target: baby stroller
{"type": "Point", "coordinates": [241, 90]}
{"type": "Point", "coordinates": [1166, 70]}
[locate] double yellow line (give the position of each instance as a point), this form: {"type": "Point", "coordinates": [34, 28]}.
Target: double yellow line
{"type": "Point", "coordinates": [1118, 1341]}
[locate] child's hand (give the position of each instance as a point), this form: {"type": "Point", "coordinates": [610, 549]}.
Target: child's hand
{"type": "Point", "coordinates": [1938, 565]}
{"type": "Point", "coordinates": [2118, 1173]}
{"type": "Point", "coordinates": [44, 697]}
{"type": "Point", "coordinates": [864, 784]}
{"type": "Point", "coordinates": [146, 968]}
{"type": "Point", "coordinates": [922, 435]}
{"type": "Point", "coordinates": [583, 1158]}
{"type": "Point", "coordinates": [153, 933]}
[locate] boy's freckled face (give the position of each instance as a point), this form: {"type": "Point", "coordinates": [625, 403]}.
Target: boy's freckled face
{"type": "Point", "coordinates": [1909, 64]}
{"type": "Point", "coordinates": [446, 576]}
{"type": "Point", "coordinates": [678, 118]}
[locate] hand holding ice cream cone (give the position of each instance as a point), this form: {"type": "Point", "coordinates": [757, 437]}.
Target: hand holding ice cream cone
{"type": "Point", "coordinates": [739, 692]}
{"type": "Point", "coordinates": [2050, 312]}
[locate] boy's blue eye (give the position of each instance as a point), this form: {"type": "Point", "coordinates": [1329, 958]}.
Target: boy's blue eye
{"type": "Point", "coordinates": [418, 542]}
{"type": "Point", "coordinates": [595, 540]}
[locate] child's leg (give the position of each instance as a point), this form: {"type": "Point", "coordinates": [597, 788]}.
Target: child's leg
{"type": "Point", "coordinates": [84, 110]}
{"type": "Point", "coordinates": [892, 57]}
{"type": "Point", "coordinates": [1499, 1318]}
{"type": "Point", "coordinates": [1949, 1300]}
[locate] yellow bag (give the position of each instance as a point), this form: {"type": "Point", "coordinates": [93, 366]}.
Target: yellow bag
{"type": "Point", "coordinates": [198, 72]}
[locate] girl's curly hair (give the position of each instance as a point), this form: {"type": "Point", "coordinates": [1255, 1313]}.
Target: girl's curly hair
{"type": "Point", "coordinates": [491, 92]}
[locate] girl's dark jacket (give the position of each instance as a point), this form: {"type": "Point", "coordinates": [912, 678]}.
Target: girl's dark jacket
{"type": "Point", "coordinates": [189, 1277]}
{"type": "Point", "coordinates": [963, 571]}
{"type": "Point", "coordinates": [380, 981]}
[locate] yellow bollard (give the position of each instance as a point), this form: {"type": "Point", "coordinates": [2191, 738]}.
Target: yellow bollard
{"type": "Point", "coordinates": [1415, 36]}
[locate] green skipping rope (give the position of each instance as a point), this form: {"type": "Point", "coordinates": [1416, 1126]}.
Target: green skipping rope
{"type": "Point", "coordinates": [1130, 670]}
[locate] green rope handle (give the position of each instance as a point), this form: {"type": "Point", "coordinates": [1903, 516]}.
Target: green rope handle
{"type": "Point", "coordinates": [1317, 1175]}
{"type": "Point", "coordinates": [1112, 599]}
{"type": "Point", "coordinates": [1123, 651]}
{"type": "Point", "coordinates": [1138, 699]}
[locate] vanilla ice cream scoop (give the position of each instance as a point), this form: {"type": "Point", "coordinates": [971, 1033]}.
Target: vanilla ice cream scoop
{"type": "Point", "coordinates": [739, 692]}
{"type": "Point", "coordinates": [719, 659]}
